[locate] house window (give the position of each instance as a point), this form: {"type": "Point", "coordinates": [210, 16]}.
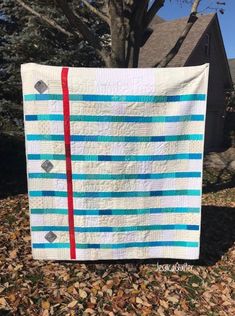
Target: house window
{"type": "Point", "coordinates": [207, 45]}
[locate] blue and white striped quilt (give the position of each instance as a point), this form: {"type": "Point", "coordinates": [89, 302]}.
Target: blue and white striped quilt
{"type": "Point", "coordinates": [114, 161]}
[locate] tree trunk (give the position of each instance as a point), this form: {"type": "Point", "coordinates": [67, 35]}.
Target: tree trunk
{"type": "Point", "coordinates": [118, 36]}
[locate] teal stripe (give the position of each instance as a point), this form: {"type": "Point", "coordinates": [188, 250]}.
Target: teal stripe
{"type": "Point", "coordinates": [46, 156]}
{"type": "Point", "coordinates": [58, 211]}
{"type": "Point", "coordinates": [45, 137]}
{"type": "Point", "coordinates": [54, 245]}
{"type": "Point", "coordinates": [117, 98]}
{"type": "Point", "coordinates": [95, 138]}
{"type": "Point", "coordinates": [183, 156]}
{"type": "Point", "coordinates": [108, 229]}
{"type": "Point", "coordinates": [110, 212]}
{"type": "Point", "coordinates": [117, 194]}
{"type": "Point", "coordinates": [106, 176]}
{"type": "Point", "coordinates": [120, 245]}
{"type": "Point", "coordinates": [115, 119]}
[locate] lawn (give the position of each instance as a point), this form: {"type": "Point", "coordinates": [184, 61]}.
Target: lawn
{"type": "Point", "coordinates": [152, 287]}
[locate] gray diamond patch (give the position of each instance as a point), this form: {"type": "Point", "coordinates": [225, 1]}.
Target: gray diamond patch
{"type": "Point", "coordinates": [40, 86]}
{"type": "Point", "coordinates": [47, 166]}
{"type": "Point", "coordinates": [50, 236]}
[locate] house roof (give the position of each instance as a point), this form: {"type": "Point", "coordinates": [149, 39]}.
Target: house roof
{"type": "Point", "coordinates": [232, 68]}
{"type": "Point", "coordinates": [166, 34]}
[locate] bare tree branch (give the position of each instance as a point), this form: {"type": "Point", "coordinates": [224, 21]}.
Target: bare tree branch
{"type": "Point", "coordinates": [45, 19]}
{"type": "Point", "coordinates": [156, 6]}
{"type": "Point", "coordinates": [191, 20]}
{"type": "Point", "coordinates": [101, 15]}
{"type": "Point", "coordinates": [76, 22]}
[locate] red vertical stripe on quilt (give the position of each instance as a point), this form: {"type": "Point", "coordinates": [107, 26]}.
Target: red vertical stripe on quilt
{"type": "Point", "coordinates": [66, 111]}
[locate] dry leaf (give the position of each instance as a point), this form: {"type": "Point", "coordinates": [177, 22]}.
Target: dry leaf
{"type": "Point", "coordinates": [163, 304]}
{"type": "Point", "coordinates": [82, 293]}
{"type": "Point", "coordinates": [160, 311]}
{"type": "Point", "coordinates": [179, 313]}
{"type": "Point", "coordinates": [142, 302]}
{"type": "Point", "coordinates": [13, 254]}
{"type": "Point", "coordinates": [3, 302]}
{"type": "Point", "coordinates": [195, 285]}
{"type": "Point", "coordinates": [89, 311]}
{"type": "Point", "coordinates": [72, 304]}
{"type": "Point", "coordinates": [173, 299]}
{"type": "Point", "coordinates": [45, 304]}
{"type": "Point", "coordinates": [12, 297]}
{"type": "Point", "coordinates": [45, 313]}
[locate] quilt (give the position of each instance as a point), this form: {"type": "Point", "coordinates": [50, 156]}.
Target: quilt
{"type": "Point", "coordinates": [114, 161]}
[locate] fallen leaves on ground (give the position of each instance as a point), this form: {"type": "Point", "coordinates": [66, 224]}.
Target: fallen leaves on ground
{"type": "Point", "coordinates": [44, 288]}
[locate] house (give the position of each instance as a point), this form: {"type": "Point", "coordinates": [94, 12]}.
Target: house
{"type": "Point", "coordinates": [204, 44]}
{"type": "Point", "coordinates": [232, 68]}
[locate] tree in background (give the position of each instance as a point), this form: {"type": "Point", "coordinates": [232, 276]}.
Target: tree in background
{"type": "Point", "coordinates": [108, 33]}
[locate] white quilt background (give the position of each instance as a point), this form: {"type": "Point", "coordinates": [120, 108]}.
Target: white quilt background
{"type": "Point", "coordinates": [135, 142]}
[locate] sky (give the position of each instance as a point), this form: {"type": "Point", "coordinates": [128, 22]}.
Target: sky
{"type": "Point", "coordinates": [173, 10]}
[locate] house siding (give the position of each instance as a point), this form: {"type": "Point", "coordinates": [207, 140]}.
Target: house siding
{"type": "Point", "coordinates": [215, 117]}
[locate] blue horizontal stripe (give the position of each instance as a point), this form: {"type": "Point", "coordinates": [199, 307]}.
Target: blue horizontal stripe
{"type": "Point", "coordinates": [120, 245]}
{"type": "Point", "coordinates": [46, 156]}
{"type": "Point", "coordinates": [117, 98]}
{"type": "Point", "coordinates": [94, 138]}
{"type": "Point", "coordinates": [61, 211]}
{"type": "Point", "coordinates": [106, 176]}
{"type": "Point", "coordinates": [52, 245]}
{"type": "Point", "coordinates": [44, 117]}
{"type": "Point", "coordinates": [47, 176]}
{"type": "Point", "coordinates": [117, 194]}
{"type": "Point", "coordinates": [108, 229]}
{"type": "Point", "coordinates": [48, 137]}
{"type": "Point", "coordinates": [115, 119]}
{"type": "Point", "coordinates": [183, 156]}
{"type": "Point", "coordinates": [106, 212]}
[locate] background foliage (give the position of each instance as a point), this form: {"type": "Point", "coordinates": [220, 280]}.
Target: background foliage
{"type": "Point", "coordinates": [24, 38]}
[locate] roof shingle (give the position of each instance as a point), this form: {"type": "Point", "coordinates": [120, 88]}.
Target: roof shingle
{"type": "Point", "coordinates": [164, 37]}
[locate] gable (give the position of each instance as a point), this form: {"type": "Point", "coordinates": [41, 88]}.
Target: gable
{"type": "Point", "coordinates": [210, 49]}
{"type": "Point", "coordinates": [164, 37]}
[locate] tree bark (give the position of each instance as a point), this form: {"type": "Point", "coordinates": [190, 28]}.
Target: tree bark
{"type": "Point", "coordinates": [76, 22]}
{"type": "Point", "coordinates": [118, 34]}
{"type": "Point", "coordinates": [127, 30]}
{"type": "Point", "coordinates": [101, 15]}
